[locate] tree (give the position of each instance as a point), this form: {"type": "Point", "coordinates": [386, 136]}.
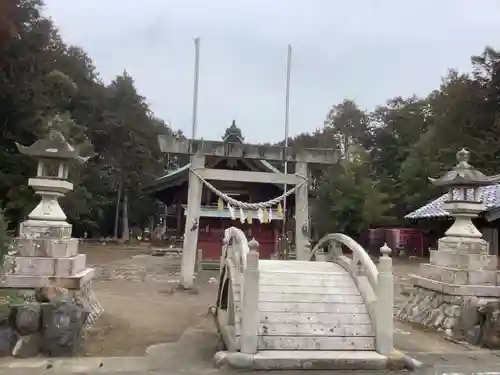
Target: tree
{"type": "Point", "coordinates": [348, 201]}
{"type": "Point", "coordinates": [349, 125]}
{"type": "Point", "coordinates": [41, 77]}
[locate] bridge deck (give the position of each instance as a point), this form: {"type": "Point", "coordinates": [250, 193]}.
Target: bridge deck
{"type": "Point", "coordinates": [310, 306]}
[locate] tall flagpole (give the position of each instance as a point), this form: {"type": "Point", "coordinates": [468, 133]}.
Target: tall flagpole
{"type": "Point", "coordinates": [287, 120]}
{"type": "Point", "coordinates": [195, 88]}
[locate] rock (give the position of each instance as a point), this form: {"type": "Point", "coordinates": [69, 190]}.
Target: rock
{"type": "Point", "coordinates": [7, 340]}
{"type": "Point", "coordinates": [440, 317]}
{"type": "Point", "coordinates": [473, 335]}
{"type": "Point", "coordinates": [491, 325]}
{"type": "Point", "coordinates": [28, 318]}
{"type": "Point", "coordinates": [5, 312]}
{"type": "Point", "coordinates": [51, 293]}
{"type": "Point", "coordinates": [469, 318]}
{"type": "Point", "coordinates": [62, 325]}
{"type": "Point", "coordinates": [449, 323]}
{"type": "Point", "coordinates": [28, 346]}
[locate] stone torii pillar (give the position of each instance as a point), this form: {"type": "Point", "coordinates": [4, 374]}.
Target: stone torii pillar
{"type": "Point", "coordinates": [190, 243]}
{"type": "Point", "coordinates": [199, 150]}
{"type": "Point", "coordinates": [302, 213]}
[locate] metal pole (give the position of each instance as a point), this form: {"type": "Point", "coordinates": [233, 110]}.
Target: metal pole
{"type": "Point", "coordinates": [196, 84]}
{"type": "Point", "coordinates": [287, 119]}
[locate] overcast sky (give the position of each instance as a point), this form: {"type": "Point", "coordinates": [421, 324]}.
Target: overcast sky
{"type": "Point", "coordinates": [366, 50]}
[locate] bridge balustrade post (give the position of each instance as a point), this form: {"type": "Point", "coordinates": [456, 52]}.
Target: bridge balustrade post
{"type": "Point", "coordinates": [250, 301]}
{"type": "Point", "coordinates": [384, 325]}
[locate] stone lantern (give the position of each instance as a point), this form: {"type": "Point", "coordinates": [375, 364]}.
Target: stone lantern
{"type": "Point", "coordinates": [46, 254]}
{"type": "Point", "coordinates": [464, 202]}
{"type": "Point", "coordinates": [461, 271]}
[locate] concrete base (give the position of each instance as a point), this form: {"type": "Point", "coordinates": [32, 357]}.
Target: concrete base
{"type": "Point", "coordinates": [75, 282]}
{"type": "Point", "coordinates": [303, 360]}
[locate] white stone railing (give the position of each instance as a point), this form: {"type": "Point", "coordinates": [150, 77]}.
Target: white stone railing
{"type": "Point", "coordinates": [245, 256]}
{"type": "Point", "coordinates": [375, 285]}
{"type": "Point", "coordinates": [235, 247]}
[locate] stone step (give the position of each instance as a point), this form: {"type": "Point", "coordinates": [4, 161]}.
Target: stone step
{"type": "Point", "coordinates": [319, 360]}
{"type": "Point", "coordinates": [316, 329]}
{"type": "Point", "coordinates": [316, 343]}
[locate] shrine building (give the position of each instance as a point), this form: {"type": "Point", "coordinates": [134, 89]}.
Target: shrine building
{"type": "Point", "coordinates": [172, 190]}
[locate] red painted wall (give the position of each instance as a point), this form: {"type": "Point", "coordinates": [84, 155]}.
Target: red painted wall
{"type": "Point", "coordinates": [211, 233]}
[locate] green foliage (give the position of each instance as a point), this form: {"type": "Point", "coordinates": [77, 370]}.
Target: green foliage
{"type": "Point", "coordinates": [46, 84]}
{"type": "Point", "coordinates": [390, 153]}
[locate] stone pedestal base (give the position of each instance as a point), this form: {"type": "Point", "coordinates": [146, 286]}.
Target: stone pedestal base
{"type": "Point", "coordinates": [465, 245]}
{"type": "Point", "coordinates": [47, 256]}
{"type": "Point", "coordinates": [32, 229]}
{"type": "Point", "coordinates": [453, 288]}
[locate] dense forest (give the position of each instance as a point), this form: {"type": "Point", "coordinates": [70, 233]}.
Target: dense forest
{"type": "Point", "coordinates": [387, 154]}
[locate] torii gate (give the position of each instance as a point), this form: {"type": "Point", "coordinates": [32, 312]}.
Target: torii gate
{"type": "Point", "coordinates": [200, 149]}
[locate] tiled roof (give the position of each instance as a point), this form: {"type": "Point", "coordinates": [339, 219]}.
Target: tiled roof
{"type": "Point", "coordinates": [490, 195]}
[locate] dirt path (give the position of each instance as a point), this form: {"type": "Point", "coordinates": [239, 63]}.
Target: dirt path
{"type": "Point", "coordinates": [141, 302]}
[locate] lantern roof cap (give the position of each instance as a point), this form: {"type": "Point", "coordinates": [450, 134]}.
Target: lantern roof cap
{"type": "Point", "coordinates": [464, 174]}
{"type": "Point", "coordinates": [54, 146]}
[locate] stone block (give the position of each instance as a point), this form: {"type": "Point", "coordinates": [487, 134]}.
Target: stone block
{"type": "Point", "coordinates": [75, 282]}
{"type": "Point", "coordinates": [482, 277]}
{"type": "Point", "coordinates": [41, 266]}
{"type": "Point", "coordinates": [45, 229]}
{"type": "Point", "coordinates": [462, 260]}
{"type": "Point", "coordinates": [458, 276]}
{"type": "Point", "coordinates": [464, 245]}
{"type": "Point", "coordinates": [47, 247]}
{"type": "Point", "coordinates": [70, 266]}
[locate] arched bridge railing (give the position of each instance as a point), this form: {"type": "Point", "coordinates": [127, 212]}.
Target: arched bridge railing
{"type": "Point", "coordinates": [244, 256]}
{"type": "Point", "coordinates": [375, 284]}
